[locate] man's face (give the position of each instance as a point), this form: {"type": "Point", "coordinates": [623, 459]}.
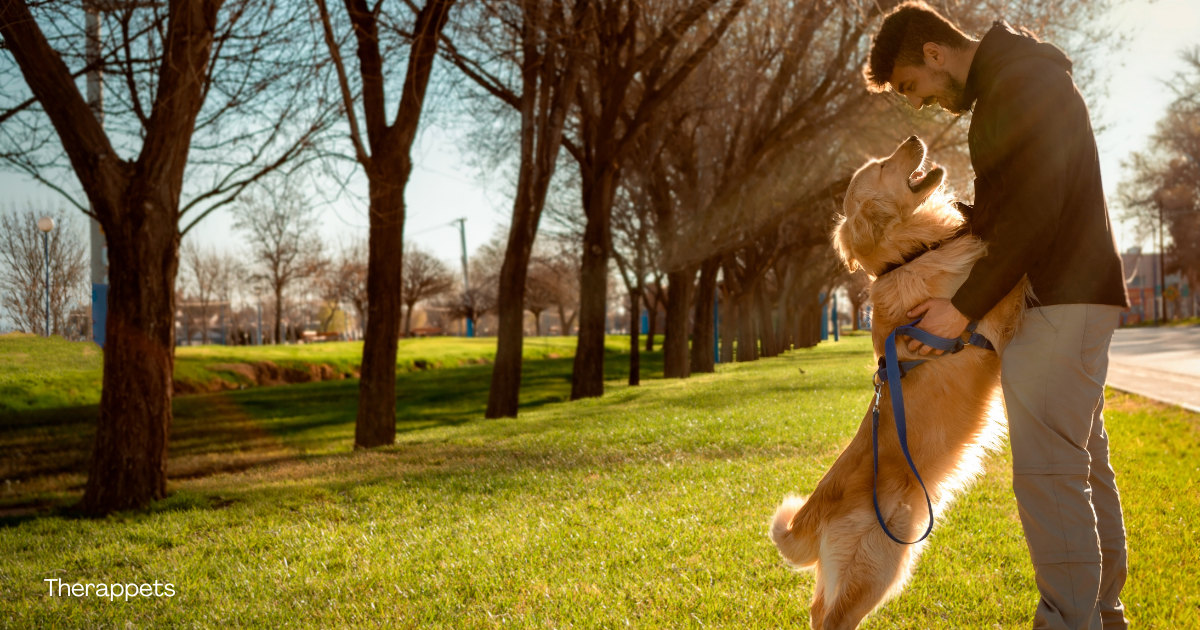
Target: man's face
{"type": "Point", "coordinates": [923, 85]}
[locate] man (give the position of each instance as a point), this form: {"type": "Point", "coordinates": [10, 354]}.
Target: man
{"type": "Point", "coordinates": [1040, 207]}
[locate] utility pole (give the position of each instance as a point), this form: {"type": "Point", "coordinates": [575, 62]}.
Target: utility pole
{"type": "Point", "coordinates": [462, 234]}
{"type": "Point", "coordinates": [1162, 278]}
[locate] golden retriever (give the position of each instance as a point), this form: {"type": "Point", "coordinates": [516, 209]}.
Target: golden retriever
{"type": "Point", "coordinates": [893, 213]}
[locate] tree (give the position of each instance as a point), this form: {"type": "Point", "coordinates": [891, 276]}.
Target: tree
{"type": "Point", "coordinates": [541, 287]}
{"type": "Point", "coordinates": [352, 268]}
{"type": "Point", "coordinates": [343, 279]}
{"type": "Point", "coordinates": [23, 271]}
{"type": "Point", "coordinates": [388, 165]}
{"type": "Point", "coordinates": [542, 38]}
{"type": "Point", "coordinates": [425, 277]}
{"type": "Point", "coordinates": [632, 252]}
{"type": "Point", "coordinates": [561, 260]}
{"type": "Point", "coordinates": [203, 268]}
{"type": "Point", "coordinates": [858, 287]}
{"type": "Point", "coordinates": [621, 87]}
{"type": "Point", "coordinates": [284, 246]}
{"type": "Point", "coordinates": [219, 72]}
{"type": "Point", "coordinates": [1162, 190]}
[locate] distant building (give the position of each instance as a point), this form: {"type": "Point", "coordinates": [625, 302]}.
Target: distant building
{"type": "Point", "coordinates": [1146, 299]}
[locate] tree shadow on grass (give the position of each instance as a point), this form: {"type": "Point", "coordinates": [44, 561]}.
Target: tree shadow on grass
{"type": "Point", "coordinates": [46, 452]}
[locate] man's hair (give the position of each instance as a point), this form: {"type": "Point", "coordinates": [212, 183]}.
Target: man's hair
{"type": "Point", "coordinates": [901, 41]}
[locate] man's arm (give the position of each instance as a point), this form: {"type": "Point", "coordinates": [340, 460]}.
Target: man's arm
{"type": "Point", "coordinates": [1036, 122]}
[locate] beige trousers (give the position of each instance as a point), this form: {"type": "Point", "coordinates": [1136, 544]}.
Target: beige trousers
{"type": "Point", "coordinates": [1053, 375]}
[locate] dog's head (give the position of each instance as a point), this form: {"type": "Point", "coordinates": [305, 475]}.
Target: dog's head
{"type": "Point", "coordinates": [891, 208]}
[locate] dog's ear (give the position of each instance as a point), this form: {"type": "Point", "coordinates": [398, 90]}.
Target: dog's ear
{"type": "Point", "coordinates": [856, 237]}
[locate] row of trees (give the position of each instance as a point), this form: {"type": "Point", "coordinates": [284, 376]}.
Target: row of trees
{"type": "Point", "coordinates": [298, 278]}
{"type": "Point", "coordinates": [283, 265]}
{"type": "Point", "coordinates": [713, 136]}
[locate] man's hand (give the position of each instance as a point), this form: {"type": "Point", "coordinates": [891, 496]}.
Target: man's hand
{"type": "Point", "coordinates": [941, 319]}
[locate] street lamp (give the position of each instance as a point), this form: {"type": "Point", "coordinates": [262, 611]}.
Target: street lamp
{"type": "Point", "coordinates": [45, 224]}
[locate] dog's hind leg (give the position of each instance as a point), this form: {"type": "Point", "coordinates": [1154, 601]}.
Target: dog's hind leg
{"type": "Point", "coordinates": [867, 581]}
{"type": "Point", "coordinates": [816, 613]}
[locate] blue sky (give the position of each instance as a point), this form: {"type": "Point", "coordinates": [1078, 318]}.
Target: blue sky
{"type": "Point", "coordinates": [444, 186]}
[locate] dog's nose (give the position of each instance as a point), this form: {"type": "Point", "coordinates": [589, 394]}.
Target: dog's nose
{"type": "Point", "coordinates": [912, 139]}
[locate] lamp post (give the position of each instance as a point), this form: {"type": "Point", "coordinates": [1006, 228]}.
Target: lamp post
{"type": "Point", "coordinates": [45, 224]}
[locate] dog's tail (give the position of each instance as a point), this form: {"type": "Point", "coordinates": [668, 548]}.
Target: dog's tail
{"type": "Point", "coordinates": [798, 539]}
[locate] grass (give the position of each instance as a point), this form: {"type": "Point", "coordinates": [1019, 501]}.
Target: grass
{"type": "Point", "coordinates": [40, 373]}
{"type": "Point", "coordinates": [646, 508]}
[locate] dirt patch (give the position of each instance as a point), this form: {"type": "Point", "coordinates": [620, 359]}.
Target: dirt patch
{"type": "Point", "coordinates": [261, 374]}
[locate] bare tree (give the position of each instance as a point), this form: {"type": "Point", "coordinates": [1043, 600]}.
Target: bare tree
{"type": "Point", "coordinates": [541, 287]}
{"type": "Point", "coordinates": [1161, 192]}
{"type": "Point", "coordinates": [425, 277]}
{"type": "Point", "coordinates": [207, 86]}
{"type": "Point", "coordinates": [23, 270]}
{"type": "Point", "coordinates": [540, 39]}
{"type": "Point", "coordinates": [284, 246]}
{"type": "Point", "coordinates": [638, 60]}
{"type": "Point", "coordinates": [632, 251]}
{"type": "Point", "coordinates": [202, 267]}
{"type": "Point", "coordinates": [560, 258]}
{"type": "Point", "coordinates": [388, 165]}
{"type": "Point", "coordinates": [343, 279]}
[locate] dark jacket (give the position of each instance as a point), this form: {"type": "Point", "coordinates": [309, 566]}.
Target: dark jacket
{"type": "Point", "coordinates": [1039, 203]}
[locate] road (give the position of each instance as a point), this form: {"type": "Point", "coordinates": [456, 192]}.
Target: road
{"type": "Point", "coordinates": [1158, 363]}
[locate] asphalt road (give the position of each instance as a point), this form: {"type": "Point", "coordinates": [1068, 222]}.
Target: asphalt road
{"type": "Point", "coordinates": [1158, 363]}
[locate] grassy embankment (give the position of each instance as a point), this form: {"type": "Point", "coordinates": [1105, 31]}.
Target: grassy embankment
{"type": "Point", "coordinates": [37, 373]}
{"type": "Point", "coordinates": [646, 508]}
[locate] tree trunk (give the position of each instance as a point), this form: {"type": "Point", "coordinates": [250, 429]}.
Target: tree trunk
{"type": "Point", "coordinates": [562, 322]}
{"type": "Point", "coordinates": [635, 360]}
{"type": "Point", "coordinates": [587, 378]}
{"type": "Point", "coordinates": [128, 467]}
{"type": "Point", "coordinates": [810, 323]}
{"type": "Point", "coordinates": [537, 323]}
{"type": "Point", "coordinates": [728, 326]}
{"type": "Point", "coordinates": [279, 338]}
{"type": "Point", "coordinates": [408, 309]}
{"type": "Point", "coordinates": [651, 321]}
{"type": "Point", "coordinates": [766, 328]}
{"type": "Point", "coordinates": [702, 331]}
{"type": "Point", "coordinates": [375, 424]}
{"type": "Point", "coordinates": [504, 394]}
{"type": "Point", "coordinates": [747, 338]}
{"type": "Point", "coordinates": [675, 343]}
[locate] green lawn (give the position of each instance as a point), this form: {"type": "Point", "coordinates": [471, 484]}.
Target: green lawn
{"type": "Point", "coordinates": [39, 373]}
{"type": "Point", "coordinates": [646, 508]}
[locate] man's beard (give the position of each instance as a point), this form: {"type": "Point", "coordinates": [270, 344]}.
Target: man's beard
{"type": "Point", "coordinates": [954, 93]}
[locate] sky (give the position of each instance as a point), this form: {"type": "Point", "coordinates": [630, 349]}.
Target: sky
{"type": "Point", "coordinates": [444, 186]}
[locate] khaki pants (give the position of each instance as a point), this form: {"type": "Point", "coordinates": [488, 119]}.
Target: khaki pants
{"type": "Point", "coordinates": [1053, 375]}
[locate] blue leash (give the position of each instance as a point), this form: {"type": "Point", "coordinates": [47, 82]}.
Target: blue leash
{"type": "Point", "coordinates": [890, 371]}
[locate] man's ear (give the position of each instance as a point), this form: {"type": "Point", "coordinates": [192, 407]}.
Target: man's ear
{"type": "Point", "coordinates": [935, 57]}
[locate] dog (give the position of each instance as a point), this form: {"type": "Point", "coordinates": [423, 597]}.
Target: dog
{"type": "Point", "coordinates": [902, 228]}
